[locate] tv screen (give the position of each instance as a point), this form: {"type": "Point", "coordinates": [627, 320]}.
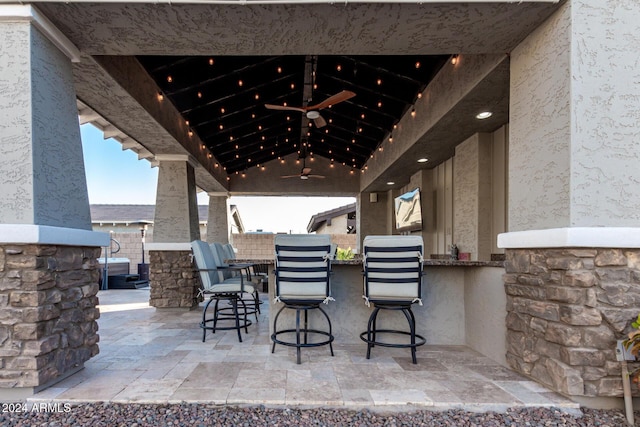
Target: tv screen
{"type": "Point", "coordinates": [408, 211]}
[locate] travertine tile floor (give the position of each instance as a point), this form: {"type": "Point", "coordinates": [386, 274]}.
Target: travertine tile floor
{"type": "Point", "coordinates": [151, 356]}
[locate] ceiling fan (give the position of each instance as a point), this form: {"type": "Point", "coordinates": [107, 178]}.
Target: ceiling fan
{"type": "Point", "coordinates": [305, 173]}
{"type": "Point", "coordinates": [313, 111]}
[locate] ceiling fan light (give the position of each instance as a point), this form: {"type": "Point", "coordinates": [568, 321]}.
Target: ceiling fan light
{"type": "Point", "coordinates": [312, 115]}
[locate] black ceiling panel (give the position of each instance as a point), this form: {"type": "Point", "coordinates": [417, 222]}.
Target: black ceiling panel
{"type": "Point", "coordinates": [223, 99]}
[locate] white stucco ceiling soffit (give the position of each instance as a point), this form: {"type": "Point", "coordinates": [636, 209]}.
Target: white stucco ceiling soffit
{"type": "Point", "coordinates": [28, 13]}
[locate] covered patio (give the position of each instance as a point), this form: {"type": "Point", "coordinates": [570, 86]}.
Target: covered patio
{"type": "Point", "coordinates": [149, 356]}
{"type": "Point", "coordinates": [548, 182]}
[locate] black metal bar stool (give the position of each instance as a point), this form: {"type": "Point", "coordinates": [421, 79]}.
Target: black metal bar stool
{"type": "Point", "coordinates": [393, 281]}
{"type": "Point", "coordinates": [217, 290]}
{"type": "Point", "coordinates": [303, 267]}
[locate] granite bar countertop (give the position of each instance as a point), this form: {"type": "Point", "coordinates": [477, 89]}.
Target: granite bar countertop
{"type": "Point", "coordinates": [427, 262]}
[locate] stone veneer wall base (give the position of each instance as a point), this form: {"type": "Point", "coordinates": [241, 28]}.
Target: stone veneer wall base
{"type": "Point", "coordinates": [48, 313]}
{"type": "Point", "coordinates": [21, 393]}
{"type": "Point", "coordinates": [173, 280]}
{"type": "Point", "coordinates": [566, 308]}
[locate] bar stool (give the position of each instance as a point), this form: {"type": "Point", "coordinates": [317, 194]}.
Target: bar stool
{"type": "Point", "coordinates": [392, 281]}
{"type": "Point", "coordinates": [303, 266]}
{"type": "Point", "coordinates": [219, 290]}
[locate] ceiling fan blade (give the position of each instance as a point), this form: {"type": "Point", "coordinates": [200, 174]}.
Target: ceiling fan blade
{"type": "Point", "coordinates": [290, 176]}
{"type": "Point", "coordinates": [306, 171]}
{"type": "Point", "coordinates": [316, 176]}
{"type": "Point", "coordinates": [320, 122]}
{"type": "Point", "coordinates": [284, 107]}
{"type": "Point", "coordinates": [332, 100]}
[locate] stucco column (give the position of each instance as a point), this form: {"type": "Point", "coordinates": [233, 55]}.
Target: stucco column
{"type": "Point", "coordinates": [48, 253]}
{"type": "Point", "coordinates": [171, 276]}
{"type": "Point", "coordinates": [472, 204]}
{"type": "Point", "coordinates": [573, 276]}
{"type": "Point", "coordinates": [218, 222]}
{"type": "Point", "coordinates": [373, 215]}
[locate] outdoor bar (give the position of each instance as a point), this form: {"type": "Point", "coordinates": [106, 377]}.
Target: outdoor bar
{"type": "Point", "coordinates": [459, 300]}
{"type": "Point", "coordinates": [520, 153]}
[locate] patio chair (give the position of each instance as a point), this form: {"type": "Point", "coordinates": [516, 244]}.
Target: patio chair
{"type": "Point", "coordinates": [393, 281]}
{"type": "Point", "coordinates": [259, 272]}
{"type": "Point", "coordinates": [302, 271]}
{"type": "Point", "coordinates": [235, 272]}
{"type": "Point", "coordinates": [230, 290]}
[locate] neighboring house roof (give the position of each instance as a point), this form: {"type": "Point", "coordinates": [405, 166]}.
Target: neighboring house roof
{"type": "Point", "coordinates": [319, 219]}
{"type": "Point", "coordinates": [132, 214]}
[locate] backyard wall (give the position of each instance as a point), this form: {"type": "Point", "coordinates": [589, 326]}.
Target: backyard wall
{"type": "Point", "coordinates": [248, 245]}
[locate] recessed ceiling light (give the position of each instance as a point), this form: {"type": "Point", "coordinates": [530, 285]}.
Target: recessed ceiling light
{"type": "Point", "coordinates": [484, 115]}
{"type": "Point", "coordinates": [390, 183]}
{"type": "Point", "coordinates": [423, 160]}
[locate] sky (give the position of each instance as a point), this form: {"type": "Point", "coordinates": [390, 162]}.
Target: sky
{"type": "Point", "coordinates": [115, 177]}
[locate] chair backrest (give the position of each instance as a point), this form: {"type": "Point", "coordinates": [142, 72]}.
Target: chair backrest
{"type": "Point", "coordinates": [204, 259]}
{"type": "Point", "coordinates": [219, 255]}
{"type": "Point", "coordinates": [231, 253]}
{"type": "Point", "coordinates": [303, 266]}
{"type": "Point", "coordinates": [393, 268]}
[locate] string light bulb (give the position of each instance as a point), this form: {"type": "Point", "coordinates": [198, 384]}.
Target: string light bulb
{"type": "Point", "coordinates": [160, 96]}
{"type": "Point", "coordinates": [169, 79]}
{"type": "Point", "coordinates": [413, 112]}
{"type": "Point", "coordinates": [454, 59]}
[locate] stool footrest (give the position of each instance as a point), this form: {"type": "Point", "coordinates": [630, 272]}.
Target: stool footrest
{"type": "Point", "coordinates": [370, 336]}
{"type": "Point", "coordinates": [301, 331]}
{"type": "Point", "coordinates": [305, 332]}
{"type": "Point", "coordinates": [420, 340]}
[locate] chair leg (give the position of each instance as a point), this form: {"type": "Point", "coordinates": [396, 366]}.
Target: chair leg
{"type": "Point", "coordinates": [215, 315]}
{"type": "Point", "coordinates": [204, 319]}
{"type": "Point", "coordinates": [256, 297]}
{"type": "Point", "coordinates": [244, 310]}
{"type": "Point", "coordinates": [275, 328]}
{"type": "Point", "coordinates": [298, 333]}
{"type": "Point", "coordinates": [412, 330]}
{"type": "Point", "coordinates": [371, 330]}
{"type": "Point", "coordinates": [234, 304]}
{"type": "Point", "coordinates": [330, 328]}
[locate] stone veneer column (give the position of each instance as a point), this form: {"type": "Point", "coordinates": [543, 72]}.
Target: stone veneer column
{"type": "Point", "coordinates": [171, 275]}
{"type": "Point", "coordinates": [572, 277]}
{"type": "Point", "coordinates": [566, 309]}
{"type": "Point", "coordinates": [218, 222]}
{"type": "Point", "coordinates": [48, 253]}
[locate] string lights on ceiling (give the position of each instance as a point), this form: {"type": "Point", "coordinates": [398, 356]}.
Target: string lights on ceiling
{"type": "Point", "coordinates": [259, 86]}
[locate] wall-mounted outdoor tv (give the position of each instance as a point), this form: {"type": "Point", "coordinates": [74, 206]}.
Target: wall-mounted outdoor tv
{"type": "Point", "coordinates": [408, 211]}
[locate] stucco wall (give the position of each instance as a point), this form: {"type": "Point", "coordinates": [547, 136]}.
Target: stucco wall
{"type": "Point", "coordinates": [338, 226]}
{"type": "Point", "coordinates": [472, 197]}
{"type": "Point", "coordinates": [176, 189]}
{"type": "Point", "coordinates": [539, 134]}
{"type": "Point", "coordinates": [485, 303]}
{"type": "Point", "coordinates": [605, 113]}
{"type": "Point", "coordinates": [41, 163]}
{"type": "Point", "coordinates": [575, 118]}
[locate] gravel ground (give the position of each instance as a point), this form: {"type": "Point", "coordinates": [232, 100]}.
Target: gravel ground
{"type": "Point", "coordinates": [139, 415]}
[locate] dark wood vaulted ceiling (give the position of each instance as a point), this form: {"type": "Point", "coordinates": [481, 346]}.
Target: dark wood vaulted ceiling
{"type": "Point", "coordinates": [223, 99]}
